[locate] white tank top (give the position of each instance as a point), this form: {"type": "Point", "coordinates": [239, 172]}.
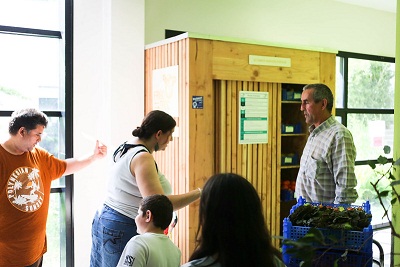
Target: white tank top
{"type": "Point", "coordinates": [123, 193]}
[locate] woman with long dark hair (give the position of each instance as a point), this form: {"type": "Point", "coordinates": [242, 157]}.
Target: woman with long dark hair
{"type": "Point", "coordinates": [232, 230]}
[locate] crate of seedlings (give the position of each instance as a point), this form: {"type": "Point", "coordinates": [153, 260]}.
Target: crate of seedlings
{"type": "Point", "coordinates": [337, 229]}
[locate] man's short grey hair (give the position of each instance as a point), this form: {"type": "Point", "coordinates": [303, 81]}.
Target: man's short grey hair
{"type": "Point", "coordinates": [321, 91]}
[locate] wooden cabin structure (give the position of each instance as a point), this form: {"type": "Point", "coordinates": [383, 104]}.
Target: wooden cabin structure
{"type": "Point", "coordinates": [198, 80]}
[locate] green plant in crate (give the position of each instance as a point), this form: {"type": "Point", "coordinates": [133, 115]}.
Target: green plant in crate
{"type": "Point", "coordinates": [305, 248]}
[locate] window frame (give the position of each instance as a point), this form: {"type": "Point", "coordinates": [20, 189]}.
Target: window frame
{"type": "Point", "coordinates": [345, 111]}
{"type": "Point", "coordinates": [69, 130]}
{"type": "Point", "coordinates": [67, 114]}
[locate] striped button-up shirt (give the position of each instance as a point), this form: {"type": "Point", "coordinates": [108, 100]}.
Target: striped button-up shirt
{"type": "Point", "coordinates": [326, 173]}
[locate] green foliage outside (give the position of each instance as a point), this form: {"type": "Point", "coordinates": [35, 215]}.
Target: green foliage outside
{"type": "Point", "coordinates": [371, 86]}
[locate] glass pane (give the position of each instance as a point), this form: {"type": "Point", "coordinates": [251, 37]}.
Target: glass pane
{"type": "Point", "coordinates": [371, 132]}
{"type": "Point", "coordinates": [371, 84]}
{"type": "Point", "coordinates": [365, 176]}
{"type": "Point", "coordinates": [38, 14]}
{"type": "Point", "coordinates": [339, 90]}
{"type": "Point", "coordinates": [30, 73]}
{"type": "Point", "coordinates": [56, 244]}
{"type": "Point", "coordinates": [54, 143]}
{"type": "Point", "coordinates": [4, 128]}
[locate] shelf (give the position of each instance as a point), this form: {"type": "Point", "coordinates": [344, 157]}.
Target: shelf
{"type": "Point", "coordinates": [290, 166]}
{"type": "Point", "coordinates": [291, 101]}
{"type": "Point", "coordinates": [294, 134]}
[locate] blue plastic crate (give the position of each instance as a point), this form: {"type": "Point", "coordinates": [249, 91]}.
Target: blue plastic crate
{"type": "Point", "coordinates": [342, 239]}
{"type": "Point", "coordinates": [291, 95]}
{"type": "Point", "coordinates": [287, 194]}
{"type": "Point", "coordinates": [289, 159]}
{"type": "Point", "coordinates": [327, 259]}
{"type": "Point", "coordinates": [360, 241]}
{"type": "Point", "coordinates": [291, 128]}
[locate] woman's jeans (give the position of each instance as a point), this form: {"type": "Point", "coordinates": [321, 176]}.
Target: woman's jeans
{"type": "Point", "coordinates": [111, 231]}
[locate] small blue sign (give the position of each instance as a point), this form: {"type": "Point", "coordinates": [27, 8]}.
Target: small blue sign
{"type": "Point", "coordinates": [197, 102]}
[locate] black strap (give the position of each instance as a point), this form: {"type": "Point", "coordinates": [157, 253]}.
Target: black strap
{"type": "Point", "coordinates": [124, 147]}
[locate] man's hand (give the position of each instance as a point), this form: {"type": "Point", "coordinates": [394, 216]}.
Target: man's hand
{"type": "Point", "coordinates": [100, 151]}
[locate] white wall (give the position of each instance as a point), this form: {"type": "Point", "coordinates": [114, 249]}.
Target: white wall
{"type": "Point", "coordinates": [311, 23]}
{"type": "Point", "coordinates": [108, 96]}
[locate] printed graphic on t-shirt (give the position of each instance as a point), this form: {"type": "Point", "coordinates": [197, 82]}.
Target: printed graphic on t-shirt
{"type": "Point", "coordinates": [129, 260]}
{"type": "Point", "coordinates": [25, 189]}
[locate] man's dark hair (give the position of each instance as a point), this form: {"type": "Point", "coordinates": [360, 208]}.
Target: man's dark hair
{"type": "Point", "coordinates": [29, 118]}
{"type": "Point", "coordinates": [321, 91]}
{"type": "Point", "coordinates": [161, 208]}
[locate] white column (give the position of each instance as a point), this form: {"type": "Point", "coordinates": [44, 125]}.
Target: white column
{"type": "Point", "coordinates": [108, 97]}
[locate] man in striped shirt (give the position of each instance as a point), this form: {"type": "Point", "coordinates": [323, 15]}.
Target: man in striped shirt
{"type": "Point", "coordinates": [326, 173]}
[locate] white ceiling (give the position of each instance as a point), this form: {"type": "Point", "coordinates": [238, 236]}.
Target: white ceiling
{"type": "Point", "coordinates": [385, 5]}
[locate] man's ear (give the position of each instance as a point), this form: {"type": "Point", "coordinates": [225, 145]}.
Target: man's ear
{"type": "Point", "coordinates": [22, 131]}
{"type": "Point", "coordinates": [324, 103]}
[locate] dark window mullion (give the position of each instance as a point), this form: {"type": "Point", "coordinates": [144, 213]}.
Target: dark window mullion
{"type": "Point", "coordinates": [347, 55]}
{"type": "Point", "coordinates": [69, 193]}
{"type": "Point", "coordinates": [364, 111]}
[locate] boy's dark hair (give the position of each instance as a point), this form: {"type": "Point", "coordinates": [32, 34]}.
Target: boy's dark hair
{"type": "Point", "coordinates": [29, 118]}
{"type": "Point", "coordinates": [161, 208]}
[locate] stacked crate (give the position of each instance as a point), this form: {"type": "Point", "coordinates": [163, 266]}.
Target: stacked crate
{"type": "Point", "coordinates": [352, 248]}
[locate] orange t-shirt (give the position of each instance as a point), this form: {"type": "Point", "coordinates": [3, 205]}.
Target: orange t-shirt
{"type": "Point", "coordinates": [25, 183]}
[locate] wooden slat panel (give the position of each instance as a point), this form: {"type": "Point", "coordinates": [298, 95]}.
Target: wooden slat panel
{"type": "Point", "coordinates": [255, 159]}
{"type": "Point", "coordinates": [222, 117]}
{"type": "Point", "coordinates": [235, 126]}
{"type": "Point", "coordinates": [275, 177]}
{"type": "Point", "coordinates": [328, 77]}
{"type": "Point", "coordinates": [201, 146]}
{"type": "Point", "coordinates": [230, 142]}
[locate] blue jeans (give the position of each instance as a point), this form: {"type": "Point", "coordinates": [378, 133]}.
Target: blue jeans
{"type": "Point", "coordinates": [111, 231]}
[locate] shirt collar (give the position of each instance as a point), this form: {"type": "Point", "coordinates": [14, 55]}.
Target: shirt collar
{"type": "Point", "coordinates": [326, 124]}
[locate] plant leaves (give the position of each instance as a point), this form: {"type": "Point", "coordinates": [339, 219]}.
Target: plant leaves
{"type": "Point", "coordinates": [382, 160]}
{"type": "Point", "coordinates": [386, 149]}
{"type": "Point", "coordinates": [317, 234]}
{"type": "Point", "coordinates": [384, 193]}
{"type": "Point", "coordinates": [372, 164]}
{"type": "Point", "coordinates": [393, 183]}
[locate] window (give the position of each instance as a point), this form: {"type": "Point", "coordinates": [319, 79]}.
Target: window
{"type": "Point", "coordinates": [35, 71]}
{"type": "Point", "coordinates": [365, 104]}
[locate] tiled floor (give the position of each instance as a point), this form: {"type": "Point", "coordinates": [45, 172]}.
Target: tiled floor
{"type": "Point", "coordinates": [385, 240]}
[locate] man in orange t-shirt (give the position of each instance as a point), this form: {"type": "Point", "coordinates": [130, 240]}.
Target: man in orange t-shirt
{"type": "Point", "coordinates": [26, 172]}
